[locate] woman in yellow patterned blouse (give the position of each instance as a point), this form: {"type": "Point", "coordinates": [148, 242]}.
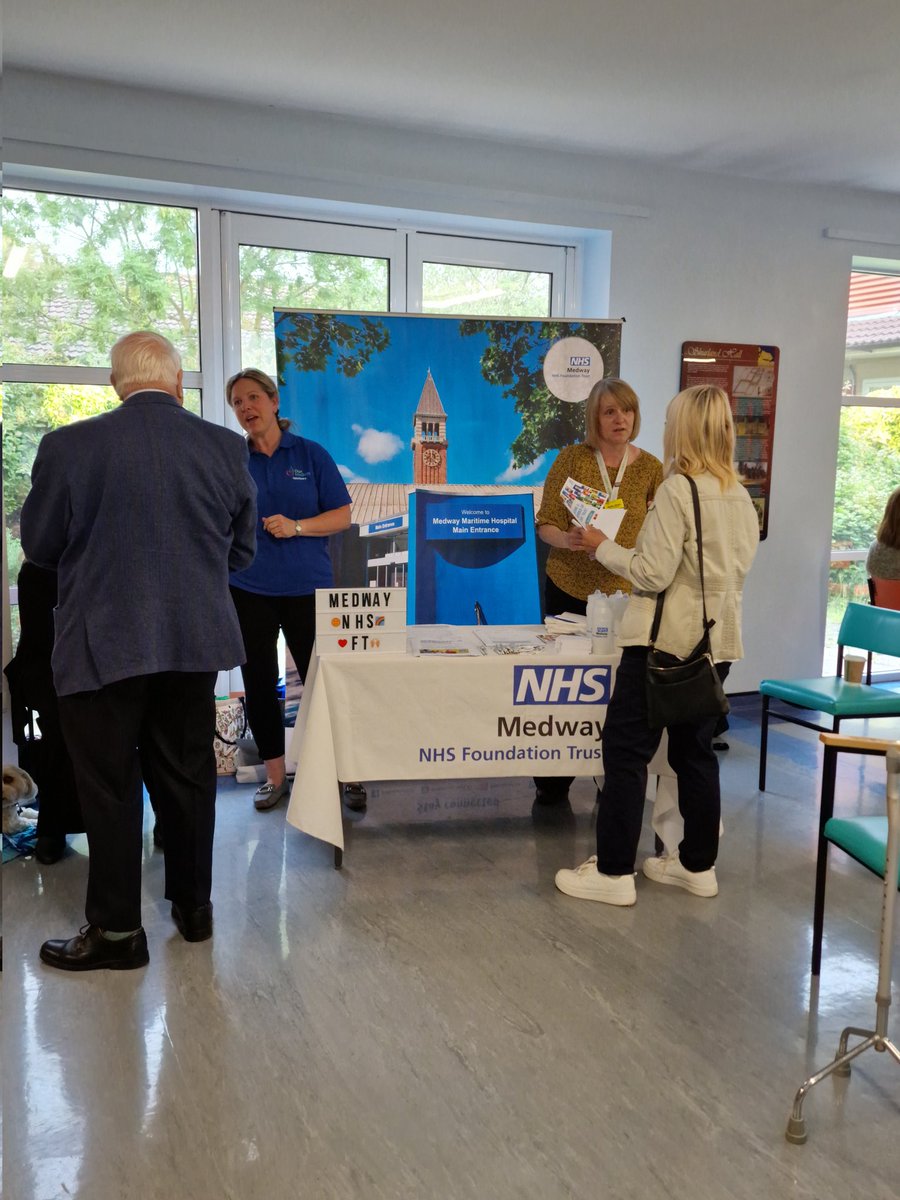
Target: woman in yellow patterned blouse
{"type": "Point", "coordinates": [608, 460]}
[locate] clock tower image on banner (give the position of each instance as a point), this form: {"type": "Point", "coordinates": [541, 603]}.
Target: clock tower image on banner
{"type": "Point", "coordinates": [429, 443]}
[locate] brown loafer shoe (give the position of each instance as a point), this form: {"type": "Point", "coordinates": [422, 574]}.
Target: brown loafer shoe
{"type": "Point", "coordinates": [355, 797]}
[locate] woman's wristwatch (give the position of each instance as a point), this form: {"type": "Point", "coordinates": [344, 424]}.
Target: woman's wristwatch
{"type": "Point", "coordinates": [297, 529]}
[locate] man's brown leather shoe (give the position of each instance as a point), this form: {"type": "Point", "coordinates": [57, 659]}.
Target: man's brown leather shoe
{"type": "Point", "coordinates": [89, 950]}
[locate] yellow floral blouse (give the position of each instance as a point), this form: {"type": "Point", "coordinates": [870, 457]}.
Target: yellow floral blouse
{"type": "Point", "coordinates": [572, 570]}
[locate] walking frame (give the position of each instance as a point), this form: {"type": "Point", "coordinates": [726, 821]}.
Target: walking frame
{"type": "Point", "coordinates": [877, 1038]}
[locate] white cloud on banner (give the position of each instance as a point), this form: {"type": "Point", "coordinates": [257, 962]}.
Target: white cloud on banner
{"type": "Point", "coordinates": [377, 445]}
{"type": "Point", "coordinates": [350, 476]}
{"type": "Point", "coordinates": [513, 474]}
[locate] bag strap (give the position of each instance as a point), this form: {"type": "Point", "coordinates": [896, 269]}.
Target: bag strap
{"type": "Point", "coordinates": [660, 599]}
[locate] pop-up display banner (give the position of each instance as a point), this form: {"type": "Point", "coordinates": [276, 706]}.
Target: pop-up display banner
{"type": "Point", "coordinates": [473, 408]}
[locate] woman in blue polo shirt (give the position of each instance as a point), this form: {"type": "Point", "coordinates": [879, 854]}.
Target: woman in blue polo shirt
{"type": "Point", "coordinates": [301, 500]}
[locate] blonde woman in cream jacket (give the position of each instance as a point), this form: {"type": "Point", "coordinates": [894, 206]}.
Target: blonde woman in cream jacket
{"type": "Point", "coordinates": [698, 441]}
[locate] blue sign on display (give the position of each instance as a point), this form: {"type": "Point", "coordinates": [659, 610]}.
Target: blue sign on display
{"type": "Point", "coordinates": [391, 523]}
{"type": "Point", "coordinates": [486, 572]}
{"type": "Point", "coordinates": [461, 518]}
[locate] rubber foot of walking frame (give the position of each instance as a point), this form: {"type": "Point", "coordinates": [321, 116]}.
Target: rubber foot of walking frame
{"type": "Point", "coordinates": [796, 1131]}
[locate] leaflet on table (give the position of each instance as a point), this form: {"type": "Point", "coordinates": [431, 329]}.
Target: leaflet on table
{"type": "Point", "coordinates": [452, 640]}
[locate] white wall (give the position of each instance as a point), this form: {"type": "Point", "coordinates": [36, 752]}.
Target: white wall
{"type": "Point", "coordinates": [693, 256]}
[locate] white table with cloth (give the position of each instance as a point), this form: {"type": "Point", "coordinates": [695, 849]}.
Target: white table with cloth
{"type": "Point", "coordinates": [394, 716]}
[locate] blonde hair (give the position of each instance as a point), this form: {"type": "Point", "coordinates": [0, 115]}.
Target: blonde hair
{"type": "Point", "coordinates": [626, 398]}
{"type": "Point", "coordinates": [144, 359]}
{"type": "Point", "coordinates": [699, 435]}
{"type": "Point", "coordinates": [265, 382]}
{"type": "Point", "coordinates": [889, 529]}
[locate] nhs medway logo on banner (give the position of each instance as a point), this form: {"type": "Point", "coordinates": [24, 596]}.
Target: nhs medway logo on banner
{"type": "Point", "coordinates": [562, 684]}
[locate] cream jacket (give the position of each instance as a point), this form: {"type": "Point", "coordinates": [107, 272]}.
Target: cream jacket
{"type": "Point", "coordinates": [665, 558]}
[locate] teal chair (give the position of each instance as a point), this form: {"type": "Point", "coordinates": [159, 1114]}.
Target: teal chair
{"type": "Point", "coordinates": [874, 842]}
{"type": "Point", "coordinates": [874, 630]}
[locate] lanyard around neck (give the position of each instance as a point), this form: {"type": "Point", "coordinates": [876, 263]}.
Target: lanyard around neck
{"type": "Point", "coordinates": [611, 489]}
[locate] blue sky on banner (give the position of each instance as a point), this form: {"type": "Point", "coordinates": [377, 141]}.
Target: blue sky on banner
{"type": "Point", "coordinates": [365, 422]}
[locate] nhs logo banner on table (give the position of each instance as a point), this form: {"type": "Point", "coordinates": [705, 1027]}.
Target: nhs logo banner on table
{"type": "Point", "coordinates": [561, 684]}
{"type": "Point", "coordinates": [472, 558]}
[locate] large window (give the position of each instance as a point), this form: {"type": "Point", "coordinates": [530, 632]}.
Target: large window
{"type": "Point", "coordinates": [270, 261]}
{"type": "Point", "coordinates": [81, 270]}
{"type": "Point", "coordinates": [868, 467]}
{"type": "Point", "coordinates": [78, 272]}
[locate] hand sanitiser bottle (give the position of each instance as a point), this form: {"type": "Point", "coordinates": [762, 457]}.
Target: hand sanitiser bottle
{"type": "Point", "coordinates": [600, 623]}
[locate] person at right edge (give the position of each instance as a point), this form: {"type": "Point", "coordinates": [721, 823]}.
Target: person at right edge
{"type": "Point", "coordinates": [698, 442]}
{"type": "Point", "coordinates": [608, 460]}
{"type": "Point", "coordinates": [883, 559]}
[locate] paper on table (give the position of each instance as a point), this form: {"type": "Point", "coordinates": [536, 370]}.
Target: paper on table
{"type": "Point", "coordinates": [566, 623]}
{"type": "Point", "coordinates": [450, 640]}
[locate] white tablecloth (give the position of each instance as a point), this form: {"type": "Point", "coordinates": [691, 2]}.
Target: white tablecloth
{"type": "Point", "coordinates": [395, 716]}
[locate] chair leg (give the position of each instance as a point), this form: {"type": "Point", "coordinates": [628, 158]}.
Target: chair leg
{"type": "Point", "coordinates": [826, 810]}
{"type": "Point", "coordinates": [763, 743]}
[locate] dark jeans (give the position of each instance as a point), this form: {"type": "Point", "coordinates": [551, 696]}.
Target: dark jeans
{"type": "Point", "coordinates": [558, 601]}
{"type": "Point", "coordinates": [167, 721]}
{"type": "Point", "coordinates": [628, 746]}
{"type": "Point", "coordinates": [261, 618]}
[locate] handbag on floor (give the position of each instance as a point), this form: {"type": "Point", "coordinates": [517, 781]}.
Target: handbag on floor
{"type": "Point", "coordinates": [231, 726]}
{"type": "Point", "coordinates": [681, 691]}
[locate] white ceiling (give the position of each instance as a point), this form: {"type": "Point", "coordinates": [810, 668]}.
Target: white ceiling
{"type": "Point", "coordinates": [805, 90]}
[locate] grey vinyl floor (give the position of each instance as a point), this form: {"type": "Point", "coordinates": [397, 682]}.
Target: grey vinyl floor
{"type": "Point", "coordinates": [436, 1021]}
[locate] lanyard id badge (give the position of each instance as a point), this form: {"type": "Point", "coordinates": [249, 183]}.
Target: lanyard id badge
{"type": "Point", "coordinates": [611, 489]}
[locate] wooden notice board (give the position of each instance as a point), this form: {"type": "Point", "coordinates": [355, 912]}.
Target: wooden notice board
{"type": "Point", "coordinates": [749, 374]}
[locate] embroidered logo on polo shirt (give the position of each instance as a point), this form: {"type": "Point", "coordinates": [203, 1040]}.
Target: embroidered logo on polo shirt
{"type": "Point", "coordinates": [297, 473]}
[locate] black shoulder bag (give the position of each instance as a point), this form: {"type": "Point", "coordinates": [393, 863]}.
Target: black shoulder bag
{"type": "Point", "coordinates": [682, 691]}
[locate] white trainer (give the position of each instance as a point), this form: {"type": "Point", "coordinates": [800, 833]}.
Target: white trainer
{"type": "Point", "coordinates": [668, 869]}
{"type": "Point", "coordinates": [586, 883]}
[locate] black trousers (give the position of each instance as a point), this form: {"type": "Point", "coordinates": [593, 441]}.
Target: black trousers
{"type": "Point", "coordinates": [558, 601]}
{"type": "Point", "coordinates": [166, 722]}
{"type": "Point", "coordinates": [628, 746]}
{"type": "Point", "coordinates": [261, 618]}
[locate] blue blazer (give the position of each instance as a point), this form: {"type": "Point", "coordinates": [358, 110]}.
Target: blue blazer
{"type": "Point", "coordinates": [143, 511]}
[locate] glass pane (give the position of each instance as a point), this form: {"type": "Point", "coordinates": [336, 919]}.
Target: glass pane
{"type": "Point", "coordinates": [484, 291]}
{"type": "Point", "coordinates": [30, 410]}
{"type": "Point", "coordinates": [867, 473]}
{"type": "Point", "coordinates": [78, 272]}
{"type": "Point", "coordinates": [275, 278]}
{"type": "Point", "coordinates": [872, 359]}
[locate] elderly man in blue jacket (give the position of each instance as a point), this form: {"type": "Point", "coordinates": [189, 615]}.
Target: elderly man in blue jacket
{"type": "Point", "coordinates": [143, 511]}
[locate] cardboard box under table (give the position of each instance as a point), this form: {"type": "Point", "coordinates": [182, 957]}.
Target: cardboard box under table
{"type": "Point", "coordinates": [396, 716]}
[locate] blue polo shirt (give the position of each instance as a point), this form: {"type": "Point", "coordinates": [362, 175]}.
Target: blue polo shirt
{"type": "Point", "coordinates": [299, 480]}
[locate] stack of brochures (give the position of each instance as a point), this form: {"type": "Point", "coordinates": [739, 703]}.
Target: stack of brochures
{"type": "Point", "coordinates": [566, 623]}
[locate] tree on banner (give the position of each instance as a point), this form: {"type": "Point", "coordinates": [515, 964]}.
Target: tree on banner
{"type": "Point", "coordinates": [513, 360]}
{"type": "Point", "coordinates": [308, 340]}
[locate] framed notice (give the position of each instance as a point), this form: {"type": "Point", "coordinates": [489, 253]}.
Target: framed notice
{"type": "Point", "coordinates": [749, 374]}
